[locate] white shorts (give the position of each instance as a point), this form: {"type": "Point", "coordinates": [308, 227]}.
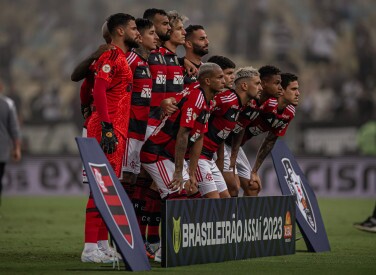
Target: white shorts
{"type": "Point", "coordinates": [162, 172]}
{"type": "Point", "coordinates": [149, 131]}
{"type": "Point", "coordinates": [243, 166]}
{"type": "Point", "coordinates": [209, 177]}
{"type": "Point", "coordinates": [131, 161]}
{"type": "Point", "coordinates": [84, 176]}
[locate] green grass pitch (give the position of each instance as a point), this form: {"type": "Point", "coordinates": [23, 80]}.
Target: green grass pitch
{"type": "Point", "coordinates": [44, 235]}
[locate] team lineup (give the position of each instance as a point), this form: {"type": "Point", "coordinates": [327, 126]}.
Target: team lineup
{"type": "Point", "coordinates": [173, 127]}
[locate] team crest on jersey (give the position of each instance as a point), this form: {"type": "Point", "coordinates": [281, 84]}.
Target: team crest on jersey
{"type": "Point", "coordinates": [297, 189]}
{"type": "Point", "coordinates": [106, 68]}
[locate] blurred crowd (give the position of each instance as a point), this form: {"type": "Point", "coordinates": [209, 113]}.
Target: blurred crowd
{"type": "Point", "coordinates": [330, 44]}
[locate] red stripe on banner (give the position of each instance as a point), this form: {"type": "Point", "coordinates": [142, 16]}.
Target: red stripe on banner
{"type": "Point", "coordinates": [128, 237]}
{"type": "Point", "coordinates": [121, 220]}
{"type": "Point", "coordinates": [112, 200]}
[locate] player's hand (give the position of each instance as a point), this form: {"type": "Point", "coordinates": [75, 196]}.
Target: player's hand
{"type": "Point", "coordinates": [109, 140]}
{"type": "Point", "coordinates": [177, 182]}
{"type": "Point", "coordinates": [85, 111]}
{"type": "Point", "coordinates": [16, 154]}
{"type": "Point", "coordinates": [255, 182]}
{"type": "Point", "coordinates": [101, 49]}
{"type": "Point", "coordinates": [190, 68]}
{"type": "Point", "coordinates": [191, 184]}
{"type": "Point", "coordinates": [232, 164]}
{"type": "Point", "coordinates": [168, 106]}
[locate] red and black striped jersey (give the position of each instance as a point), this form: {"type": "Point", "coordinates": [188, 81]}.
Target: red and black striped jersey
{"type": "Point", "coordinates": [249, 113]}
{"type": "Point", "coordinates": [193, 113]}
{"type": "Point", "coordinates": [174, 76]}
{"type": "Point", "coordinates": [141, 95]}
{"type": "Point", "coordinates": [158, 69]}
{"type": "Point", "coordinates": [190, 81]}
{"type": "Point", "coordinates": [270, 120]}
{"type": "Point", "coordinates": [222, 121]}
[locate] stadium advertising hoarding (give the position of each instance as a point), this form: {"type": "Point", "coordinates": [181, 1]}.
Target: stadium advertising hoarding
{"type": "Point", "coordinates": [328, 177]}
{"type": "Point", "coordinates": [212, 230]}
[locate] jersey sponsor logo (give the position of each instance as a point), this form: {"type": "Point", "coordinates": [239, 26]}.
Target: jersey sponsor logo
{"type": "Point", "coordinates": [195, 136]}
{"type": "Point", "coordinates": [297, 189]}
{"type": "Point", "coordinates": [223, 134]}
{"type": "Point", "coordinates": [255, 131]}
{"type": "Point", "coordinates": [161, 79]}
{"type": "Point", "coordinates": [146, 93]}
{"type": "Point", "coordinates": [238, 128]}
{"type": "Point", "coordinates": [106, 68]}
{"type": "Point", "coordinates": [189, 115]}
{"type": "Point", "coordinates": [178, 80]}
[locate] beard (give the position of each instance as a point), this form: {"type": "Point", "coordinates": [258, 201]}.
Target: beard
{"type": "Point", "coordinates": [164, 36]}
{"type": "Point", "coordinates": [131, 43]}
{"type": "Point", "coordinates": [199, 51]}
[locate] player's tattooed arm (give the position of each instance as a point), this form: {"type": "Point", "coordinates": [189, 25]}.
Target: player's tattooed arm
{"type": "Point", "coordinates": [265, 148]}
{"type": "Point", "coordinates": [82, 69]}
{"type": "Point", "coordinates": [180, 149]}
{"type": "Point", "coordinates": [235, 145]}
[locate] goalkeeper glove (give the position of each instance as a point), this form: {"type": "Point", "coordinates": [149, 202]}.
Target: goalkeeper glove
{"type": "Point", "coordinates": [109, 140]}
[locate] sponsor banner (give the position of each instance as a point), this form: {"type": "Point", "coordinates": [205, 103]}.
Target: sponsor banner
{"type": "Point", "coordinates": [213, 230]}
{"type": "Point", "coordinates": [114, 205]}
{"type": "Point", "coordinates": [292, 181]}
{"type": "Point", "coordinates": [45, 176]}
{"type": "Point", "coordinates": [328, 177]}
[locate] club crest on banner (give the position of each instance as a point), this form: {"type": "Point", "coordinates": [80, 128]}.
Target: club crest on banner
{"type": "Point", "coordinates": [297, 189]}
{"type": "Point", "coordinates": [110, 196]}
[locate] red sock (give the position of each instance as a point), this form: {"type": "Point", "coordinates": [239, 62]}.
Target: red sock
{"type": "Point", "coordinates": [103, 231]}
{"type": "Point", "coordinates": [93, 221]}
